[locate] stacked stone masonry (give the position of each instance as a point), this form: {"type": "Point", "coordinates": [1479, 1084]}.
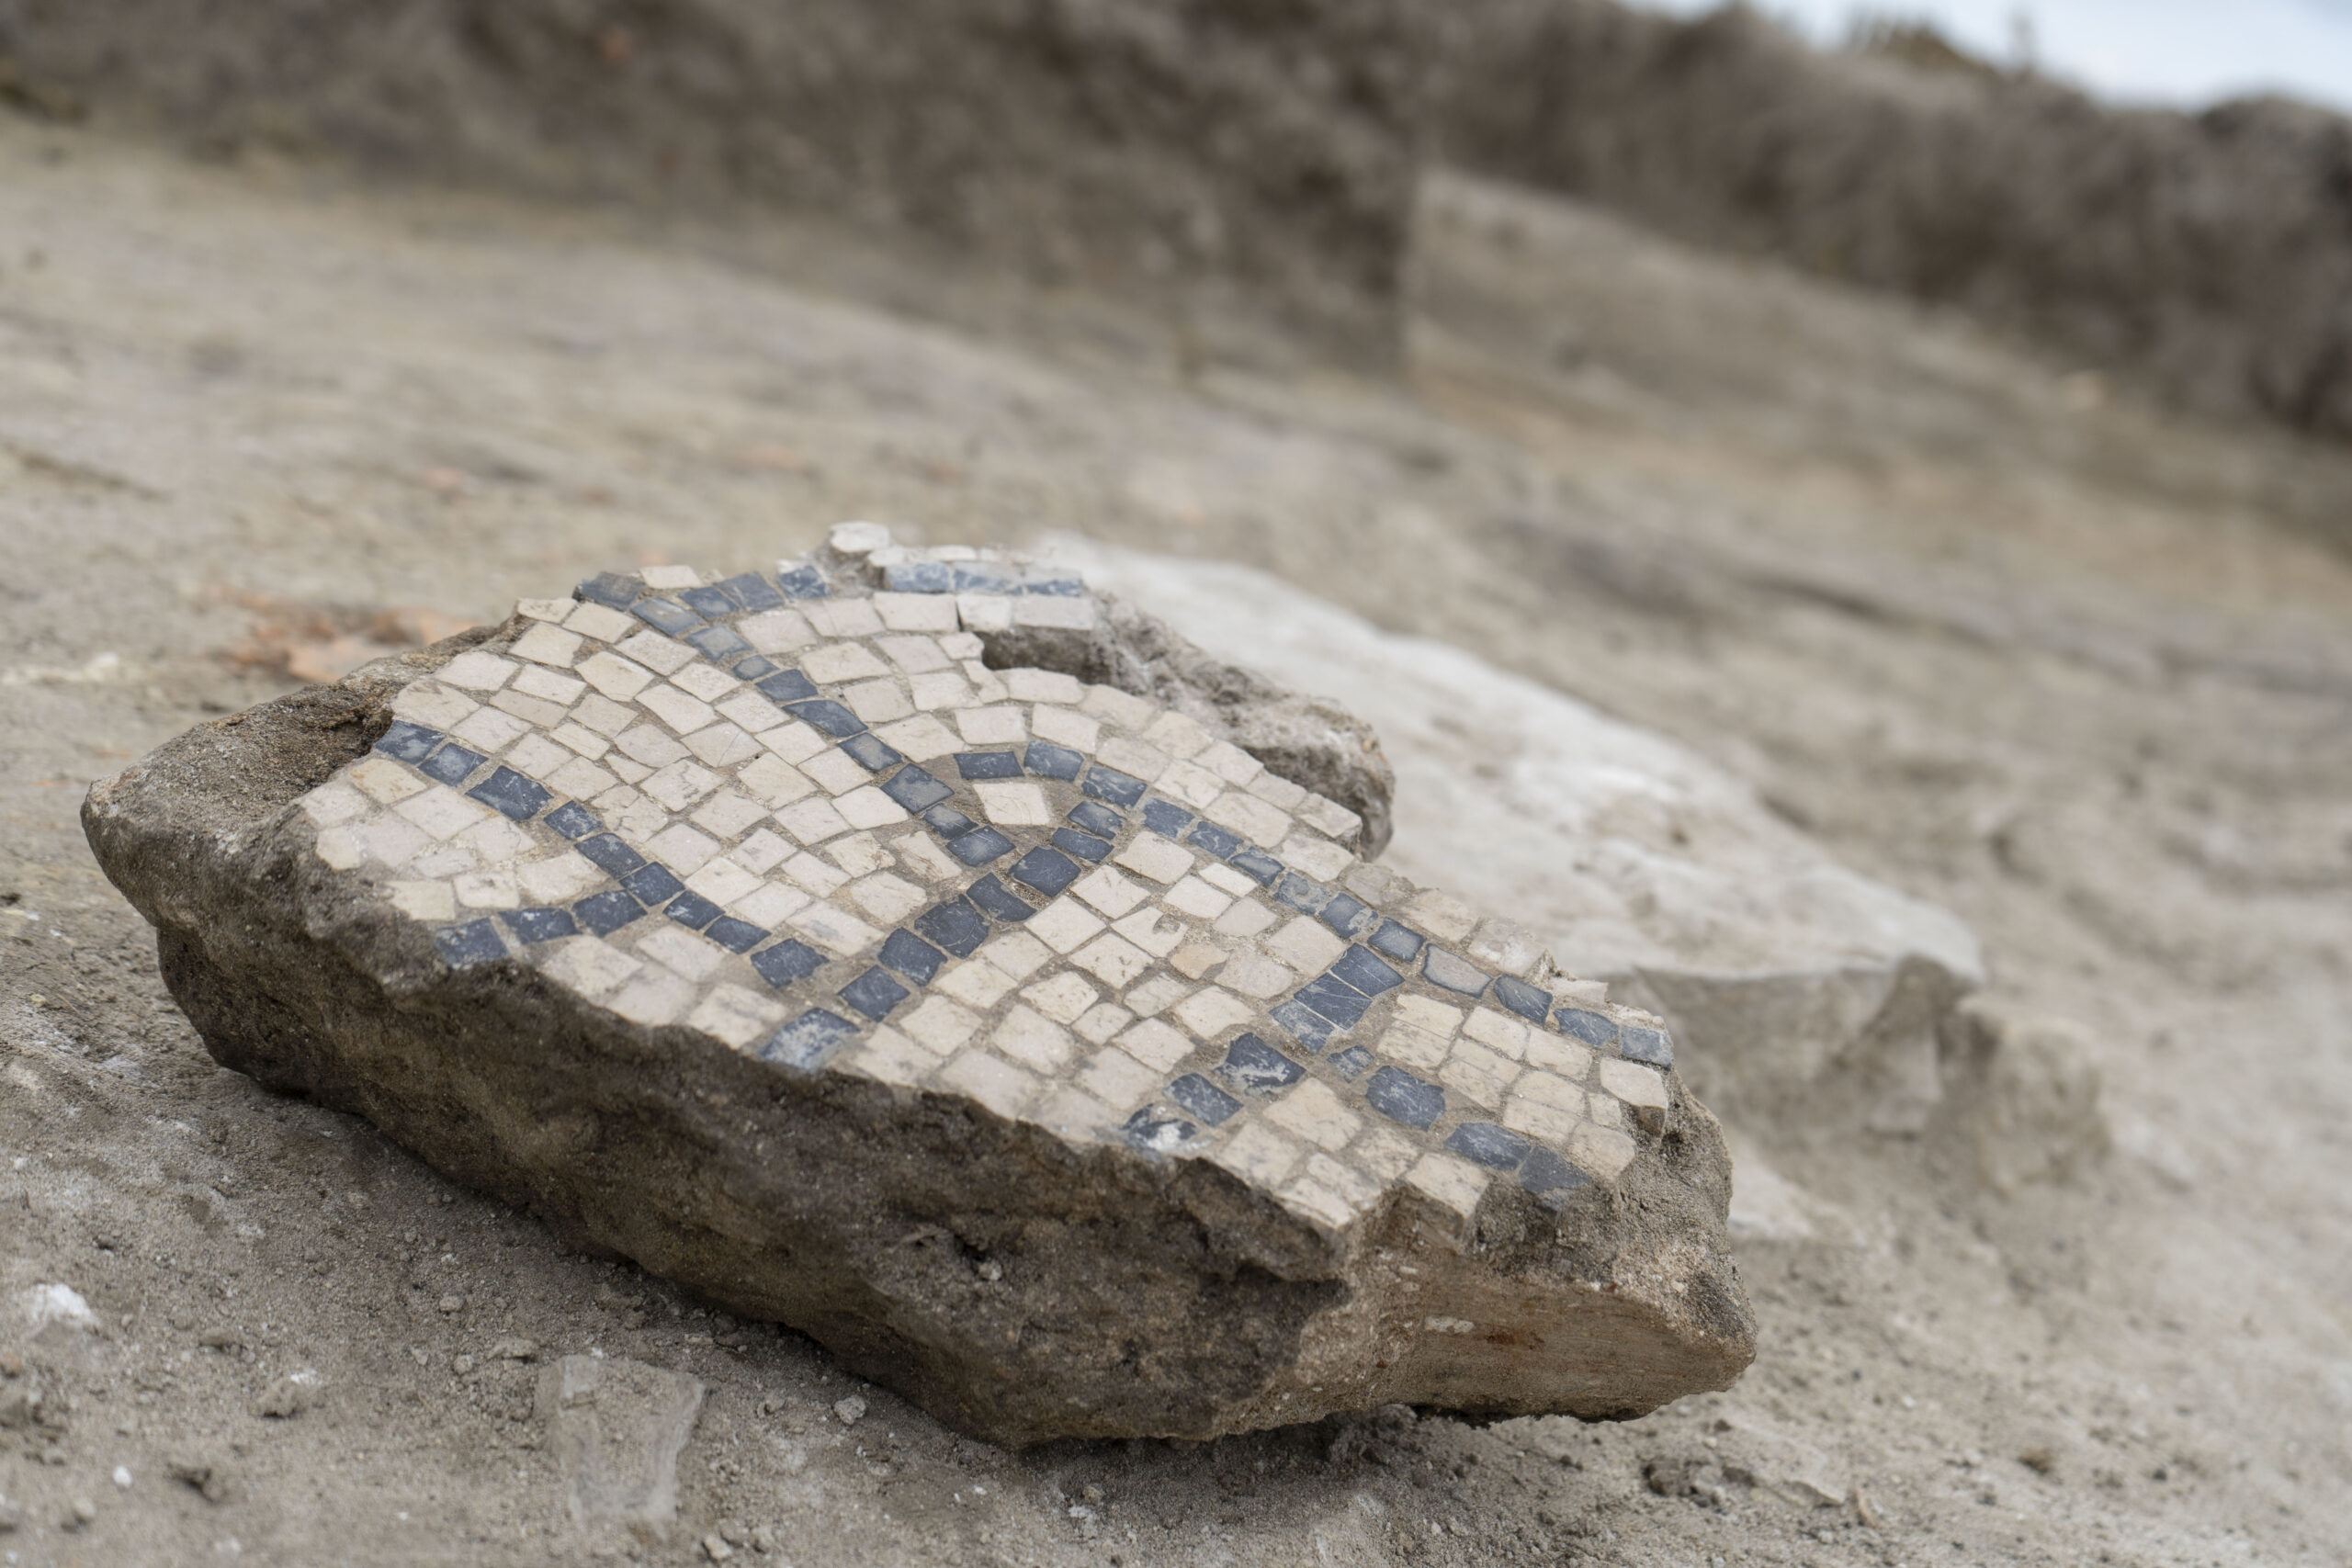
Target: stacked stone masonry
{"type": "Point", "coordinates": [799, 814]}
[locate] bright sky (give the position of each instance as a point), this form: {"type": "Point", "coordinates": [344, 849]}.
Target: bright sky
{"type": "Point", "coordinates": [2186, 53]}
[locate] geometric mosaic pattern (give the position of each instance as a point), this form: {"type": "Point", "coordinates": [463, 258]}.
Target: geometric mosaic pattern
{"type": "Point", "coordinates": [802, 816]}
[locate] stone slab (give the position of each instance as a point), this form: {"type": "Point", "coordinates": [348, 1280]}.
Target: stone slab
{"type": "Point", "coordinates": [1075, 1079]}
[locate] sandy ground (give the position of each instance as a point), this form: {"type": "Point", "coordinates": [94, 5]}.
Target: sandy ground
{"type": "Point", "coordinates": [2079, 671]}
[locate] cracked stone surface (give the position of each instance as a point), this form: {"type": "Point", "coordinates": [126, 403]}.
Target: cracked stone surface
{"type": "Point", "coordinates": [919, 950]}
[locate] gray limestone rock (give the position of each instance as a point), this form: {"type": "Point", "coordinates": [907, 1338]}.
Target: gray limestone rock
{"type": "Point", "coordinates": [1030, 1043]}
{"type": "Point", "coordinates": [1806, 993]}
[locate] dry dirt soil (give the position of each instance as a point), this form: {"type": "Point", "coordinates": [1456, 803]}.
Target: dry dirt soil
{"type": "Point", "coordinates": [1995, 632]}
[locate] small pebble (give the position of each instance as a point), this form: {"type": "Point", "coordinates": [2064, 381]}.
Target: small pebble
{"type": "Point", "coordinates": [462, 1365]}
{"type": "Point", "coordinates": [850, 1410]}
{"type": "Point", "coordinates": [85, 1511]}
{"type": "Point", "coordinates": [716, 1549]}
{"type": "Point", "coordinates": [287, 1398]}
{"type": "Point", "coordinates": [122, 1477]}
{"type": "Point", "coordinates": [453, 1304]}
{"type": "Point", "coordinates": [200, 1475]}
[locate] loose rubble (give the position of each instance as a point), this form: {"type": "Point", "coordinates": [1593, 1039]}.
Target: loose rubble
{"type": "Point", "coordinates": [1036, 1046]}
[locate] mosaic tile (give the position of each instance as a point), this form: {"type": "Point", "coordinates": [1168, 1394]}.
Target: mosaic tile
{"type": "Point", "coordinates": [602, 622]}
{"type": "Point", "coordinates": [1188, 895]}
{"type": "Point", "coordinates": [1084, 846]}
{"type": "Point", "coordinates": [691, 909]}
{"type": "Point", "coordinates": [475, 942]}
{"type": "Point", "coordinates": [802, 816]}
{"type": "Point", "coordinates": [979, 846]}
{"type": "Point", "coordinates": [512, 793]}
{"type": "Point", "coordinates": [787, 963]}
{"type": "Point", "coordinates": [875, 993]}
{"type": "Point", "coordinates": [1110, 786]}
{"type": "Point", "coordinates": [652, 885]}
{"type": "Point", "coordinates": [786, 687]}
{"type": "Point", "coordinates": [1365, 973]}
{"type": "Point", "coordinates": [916, 790]}
{"type": "Point", "coordinates": [665, 615]}
{"type": "Point", "coordinates": [1046, 759]}
{"type": "Point", "coordinates": [988, 765]}
{"type": "Point", "coordinates": [611, 588]}
{"type": "Point", "coordinates": [1261, 867]}
{"type": "Point", "coordinates": [719, 644]}
{"type": "Point", "coordinates": [992, 898]}
{"type": "Point", "coordinates": [1456, 1183]}
{"type": "Point", "coordinates": [921, 576]}
{"type": "Point", "coordinates": [827, 716]}
{"type": "Point", "coordinates": [1496, 1148]}
{"type": "Point", "coordinates": [870, 753]}
{"type": "Point", "coordinates": [1349, 916]}
{"type": "Point", "coordinates": [1551, 1179]}
{"type": "Point", "coordinates": [1334, 999]}
{"type": "Point", "coordinates": [1523, 999]}
{"type": "Point", "coordinates": [1202, 1099]}
{"type": "Point", "coordinates": [452, 764]}
{"type": "Point", "coordinates": [1304, 1023]}
{"type": "Point", "coordinates": [1166, 818]}
{"type": "Point", "coordinates": [1047, 870]}
{"type": "Point", "coordinates": [1399, 942]}
{"type": "Point", "coordinates": [1255, 1066]}
{"type": "Point", "coordinates": [955, 927]}
{"type": "Point", "coordinates": [735, 934]}
{"type": "Point", "coordinates": [1298, 893]}
{"type": "Point", "coordinates": [539, 924]}
{"type": "Point", "coordinates": [802, 582]}
{"type": "Point", "coordinates": [1643, 1045]}
{"type": "Point", "coordinates": [809, 1041]}
{"type": "Point", "coordinates": [1402, 1098]}
{"type": "Point", "coordinates": [1058, 581]}
{"type": "Point", "coordinates": [749, 590]}
{"type": "Point", "coordinates": [1456, 975]}
{"type": "Point", "coordinates": [1219, 842]}
{"type": "Point", "coordinates": [477, 670]}
{"type": "Point", "coordinates": [408, 742]}
{"type": "Point", "coordinates": [602, 914]}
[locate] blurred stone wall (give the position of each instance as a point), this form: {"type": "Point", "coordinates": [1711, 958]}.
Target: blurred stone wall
{"type": "Point", "coordinates": [2211, 253]}
{"type": "Point", "coordinates": [1268, 148]}
{"type": "Point", "coordinates": [1259, 143]}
